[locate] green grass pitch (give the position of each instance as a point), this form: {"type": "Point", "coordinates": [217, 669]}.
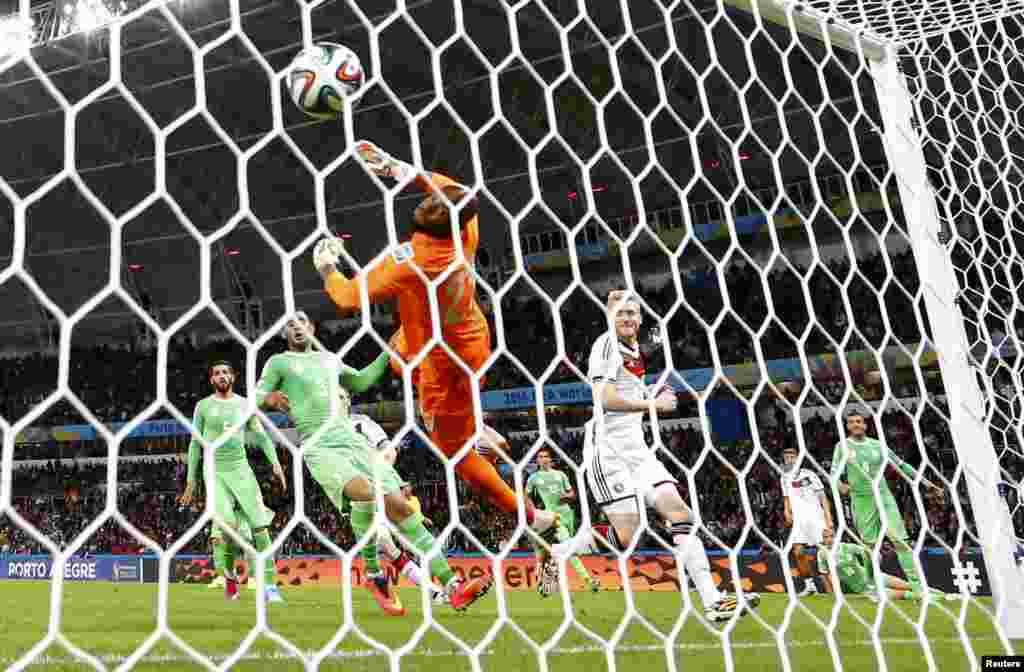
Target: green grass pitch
{"type": "Point", "coordinates": [112, 620]}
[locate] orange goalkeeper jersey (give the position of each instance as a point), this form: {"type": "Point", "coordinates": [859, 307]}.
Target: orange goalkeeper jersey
{"type": "Point", "coordinates": [463, 325]}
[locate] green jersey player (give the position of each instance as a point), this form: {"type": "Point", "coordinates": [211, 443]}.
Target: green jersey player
{"type": "Point", "coordinates": [863, 459]}
{"type": "Point", "coordinates": [856, 573]}
{"type": "Point", "coordinates": [303, 382]}
{"type": "Point", "coordinates": [222, 416]}
{"type": "Point", "coordinates": [551, 486]}
{"type": "Point", "coordinates": [245, 532]}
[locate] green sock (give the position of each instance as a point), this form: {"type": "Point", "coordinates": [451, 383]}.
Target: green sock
{"type": "Point", "coordinates": [220, 558]}
{"type": "Point", "coordinates": [577, 564]}
{"type": "Point", "coordinates": [362, 518]}
{"type": "Point", "coordinates": [419, 538]}
{"type": "Point", "coordinates": [232, 554]}
{"type": "Point", "coordinates": [906, 559]}
{"type": "Point", "coordinates": [261, 541]}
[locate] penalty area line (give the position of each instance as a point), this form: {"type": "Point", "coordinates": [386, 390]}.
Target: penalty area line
{"type": "Point", "coordinates": [451, 653]}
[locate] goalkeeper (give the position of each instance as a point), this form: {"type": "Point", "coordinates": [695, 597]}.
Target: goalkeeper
{"type": "Point", "coordinates": [864, 459]}
{"type": "Point", "coordinates": [445, 388]}
{"type": "Point", "coordinates": [304, 383]}
{"type": "Point", "coordinates": [223, 413]}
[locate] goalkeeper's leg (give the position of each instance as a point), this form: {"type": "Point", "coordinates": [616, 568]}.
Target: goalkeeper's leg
{"type": "Point", "coordinates": [451, 432]}
{"type": "Point", "coordinates": [446, 403]}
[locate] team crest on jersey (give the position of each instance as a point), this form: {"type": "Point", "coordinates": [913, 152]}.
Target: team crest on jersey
{"type": "Point", "coordinates": [402, 253]}
{"type": "Point", "coordinates": [634, 365]}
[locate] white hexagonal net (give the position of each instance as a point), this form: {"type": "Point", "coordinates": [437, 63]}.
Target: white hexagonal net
{"type": "Point", "coordinates": [810, 227]}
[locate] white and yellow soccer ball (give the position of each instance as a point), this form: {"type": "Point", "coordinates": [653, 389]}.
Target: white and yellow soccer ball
{"type": "Point", "coordinates": [323, 78]}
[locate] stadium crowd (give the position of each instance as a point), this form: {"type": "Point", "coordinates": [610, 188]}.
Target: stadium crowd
{"type": "Point", "coordinates": [117, 383]}
{"type": "Point", "coordinates": [62, 500]}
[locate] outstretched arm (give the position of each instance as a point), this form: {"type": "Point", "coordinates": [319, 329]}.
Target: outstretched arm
{"type": "Point", "coordinates": [382, 164]}
{"type": "Point", "coordinates": [363, 379]}
{"type": "Point", "coordinates": [382, 282]}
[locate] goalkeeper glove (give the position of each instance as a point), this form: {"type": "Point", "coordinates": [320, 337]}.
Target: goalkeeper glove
{"type": "Point", "coordinates": [382, 164]}
{"type": "Point", "coordinates": [327, 253]}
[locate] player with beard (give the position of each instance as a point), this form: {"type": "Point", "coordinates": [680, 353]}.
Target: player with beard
{"type": "Point", "coordinates": [221, 414]}
{"type": "Point", "coordinates": [304, 383]}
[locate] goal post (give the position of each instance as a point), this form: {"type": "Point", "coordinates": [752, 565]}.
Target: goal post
{"type": "Point", "coordinates": [939, 290]}
{"type": "Point", "coordinates": [882, 40]}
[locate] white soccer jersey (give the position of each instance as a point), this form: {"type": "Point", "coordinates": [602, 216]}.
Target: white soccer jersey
{"type": "Point", "coordinates": [804, 489]}
{"type": "Point", "coordinates": [377, 437]}
{"type": "Point", "coordinates": [613, 361]}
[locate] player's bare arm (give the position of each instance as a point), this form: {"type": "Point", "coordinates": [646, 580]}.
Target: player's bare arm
{"type": "Point", "coordinates": [828, 512]}
{"type": "Point", "coordinates": [788, 512]}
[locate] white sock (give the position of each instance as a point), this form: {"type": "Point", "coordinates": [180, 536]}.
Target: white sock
{"type": "Point", "coordinates": [413, 572]}
{"type": "Point", "coordinates": [695, 559]}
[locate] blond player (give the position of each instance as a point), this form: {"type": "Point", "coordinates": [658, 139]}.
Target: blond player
{"type": "Point", "coordinates": [622, 470]}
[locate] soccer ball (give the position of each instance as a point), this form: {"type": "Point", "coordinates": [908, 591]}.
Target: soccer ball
{"type": "Point", "coordinates": [322, 78]}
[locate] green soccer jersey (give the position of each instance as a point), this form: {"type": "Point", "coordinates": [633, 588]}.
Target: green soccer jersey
{"type": "Point", "coordinates": [853, 567]}
{"type": "Point", "coordinates": [863, 461]}
{"type": "Point", "coordinates": [550, 486]}
{"type": "Point", "coordinates": [213, 418]}
{"type": "Point", "coordinates": [310, 381]}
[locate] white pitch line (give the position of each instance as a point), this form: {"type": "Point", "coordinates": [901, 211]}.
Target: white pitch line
{"type": "Point", "coordinates": [431, 653]}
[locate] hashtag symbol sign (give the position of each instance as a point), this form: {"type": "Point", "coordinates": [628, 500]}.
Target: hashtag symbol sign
{"type": "Point", "coordinates": [967, 578]}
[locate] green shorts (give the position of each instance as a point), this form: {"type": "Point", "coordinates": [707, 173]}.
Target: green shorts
{"type": "Point", "coordinates": [867, 516]}
{"type": "Point", "coordinates": [238, 486]}
{"type": "Point", "coordinates": [339, 456]}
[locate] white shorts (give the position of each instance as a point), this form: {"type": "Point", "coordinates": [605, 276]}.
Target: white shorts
{"type": "Point", "coordinates": [808, 530]}
{"type": "Point", "coordinates": [622, 468]}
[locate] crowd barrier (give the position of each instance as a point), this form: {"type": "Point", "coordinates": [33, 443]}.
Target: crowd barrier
{"type": "Point", "coordinates": [760, 572]}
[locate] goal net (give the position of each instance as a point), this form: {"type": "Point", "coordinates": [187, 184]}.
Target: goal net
{"type": "Point", "coordinates": [816, 204]}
